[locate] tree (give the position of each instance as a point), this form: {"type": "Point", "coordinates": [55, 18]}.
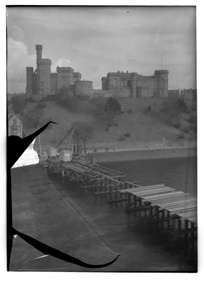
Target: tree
{"type": "Point", "coordinates": [113, 107]}
{"type": "Point", "coordinates": [171, 111]}
{"type": "Point", "coordinates": [182, 105]}
{"type": "Point", "coordinates": [112, 110]}
{"type": "Point", "coordinates": [36, 116]}
{"type": "Point", "coordinates": [98, 101]}
{"type": "Point", "coordinates": [66, 99]}
{"type": "Point", "coordinates": [64, 93]}
{"type": "Point", "coordinates": [83, 133]}
{"type": "Point", "coordinates": [41, 105]}
{"type": "Point", "coordinates": [18, 105]}
{"type": "Point", "coordinates": [106, 111]}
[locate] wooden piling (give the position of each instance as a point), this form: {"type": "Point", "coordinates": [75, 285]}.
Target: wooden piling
{"type": "Point", "coordinates": [174, 210]}
{"type": "Point", "coordinates": [179, 228]}
{"type": "Point", "coordinates": [186, 229]}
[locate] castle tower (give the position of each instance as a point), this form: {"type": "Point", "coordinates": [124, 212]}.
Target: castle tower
{"type": "Point", "coordinates": [65, 77]}
{"type": "Point", "coordinates": [104, 83]}
{"type": "Point", "coordinates": [43, 72]}
{"type": "Point", "coordinates": [84, 88]}
{"type": "Point", "coordinates": [29, 81]}
{"type": "Point", "coordinates": [38, 53]}
{"type": "Point", "coordinates": [162, 83]}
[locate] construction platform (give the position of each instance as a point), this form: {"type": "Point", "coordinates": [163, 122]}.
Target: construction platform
{"type": "Point", "coordinates": [175, 211]}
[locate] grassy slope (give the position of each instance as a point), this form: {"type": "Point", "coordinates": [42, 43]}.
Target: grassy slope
{"type": "Point", "coordinates": [144, 128]}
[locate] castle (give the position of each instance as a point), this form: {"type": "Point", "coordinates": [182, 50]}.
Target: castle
{"type": "Point", "coordinates": [137, 86]}
{"type": "Point", "coordinates": [42, 82]}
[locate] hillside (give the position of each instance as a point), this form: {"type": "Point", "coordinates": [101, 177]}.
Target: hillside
{"type": "Point", "coordinates": [142, 124]}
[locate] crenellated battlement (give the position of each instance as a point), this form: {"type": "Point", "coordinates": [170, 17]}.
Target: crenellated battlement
{"type": "Point", "coordinates": [159, 72]}
{"type": "Point", "coordinates": [65, 70]}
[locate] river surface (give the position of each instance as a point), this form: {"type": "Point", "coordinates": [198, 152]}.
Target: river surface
{"type": "Point", "coordinates": [142, 248]}
{"type": "Point", "coordinates": [179, 173]}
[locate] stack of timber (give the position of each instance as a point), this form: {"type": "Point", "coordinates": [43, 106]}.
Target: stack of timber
{"type": "Point", "coordinates": [174, 210]}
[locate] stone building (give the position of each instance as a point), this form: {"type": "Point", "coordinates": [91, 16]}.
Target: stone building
{"type": "Point", "coordinates": [42, 82]}
{"type": "Point", "coordinates": [15, 125]}
{"type": "Point", "coordinates": [133, 85]}
{"type": "Point", "coordinates": [174, 94]}
{"type": "Point", "coordinates": [185, 94]}
{"type": "Point", "coordinates": [188, 94]}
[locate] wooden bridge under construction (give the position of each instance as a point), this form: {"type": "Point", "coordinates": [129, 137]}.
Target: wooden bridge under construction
{"type": "Point", "coordinates": [174, 211]}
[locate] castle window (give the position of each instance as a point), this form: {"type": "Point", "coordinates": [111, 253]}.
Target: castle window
{"type": "Point", "coordinates": [125, 83]}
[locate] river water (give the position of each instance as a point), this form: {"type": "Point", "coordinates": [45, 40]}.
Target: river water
{"type": "Point", "coordinates": [179, 173]}
{"type": "Point", "coordinates": [142, 248]}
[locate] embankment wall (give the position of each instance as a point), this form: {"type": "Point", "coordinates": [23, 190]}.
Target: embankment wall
{"type": "Point", "coordinates": [143, 154]}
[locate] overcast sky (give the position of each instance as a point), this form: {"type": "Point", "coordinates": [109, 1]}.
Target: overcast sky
{"type": "Point", "coordinates": [95, 41]}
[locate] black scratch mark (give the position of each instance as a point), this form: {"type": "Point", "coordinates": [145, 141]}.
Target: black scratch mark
{"type": "Point", "coordinates": [47, 250]}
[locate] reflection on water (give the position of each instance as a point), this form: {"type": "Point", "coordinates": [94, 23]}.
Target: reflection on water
{"type": "Point", "coordinates": [141, 247]}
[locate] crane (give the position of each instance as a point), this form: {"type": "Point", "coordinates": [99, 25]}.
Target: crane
{"type": "Point", "coordinates": [66, 135]}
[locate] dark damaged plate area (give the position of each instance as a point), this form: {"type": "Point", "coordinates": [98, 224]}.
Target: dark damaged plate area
{"type": "Point", "coordinates": [42, 213]}
{"type": "Point", "coordinates": [47, 208]}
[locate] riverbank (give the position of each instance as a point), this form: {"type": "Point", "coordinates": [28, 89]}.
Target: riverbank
{"type": "Point", "coordinates": [143, 154]}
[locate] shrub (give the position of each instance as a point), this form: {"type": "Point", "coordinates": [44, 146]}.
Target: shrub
{"type": "Point", "coordinates": [18, 104]}
{"type": "Point", "coordinates": [192, 119]}
{"type": "Point", "coordinates": [175, 122]}
{"type": "Point", "coordinates": [49, 98]}
{"type": "Point", "coordinates": [129, 111]}
{"type": "Point", "coordinates": [41, 105]}
{"type": "Point", "coordinates": [127, 134]}
{"type": "Point", "coordinates": [114, 123]}
{"type": "Point", "coordinates": [147, 109]}
{"type": "Point", "coordinates": [83, 97]}
{"type": "Point", "coordinates": [121, 138]}
{"type": "Point", "coordinates": [172, 110]}
{"type": "Point", "coordinates": [181, 136]}
{"type": "Point", "coordinates": [186, 129]}
{"type": "Point", "coordinates": [65, 98]}
{"type": "Point", "coordinates": [182, 105]}
{"type": "Point", "coordinates": [71, 104]}
{"type": "Point", "coordinates": [98, 101]}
